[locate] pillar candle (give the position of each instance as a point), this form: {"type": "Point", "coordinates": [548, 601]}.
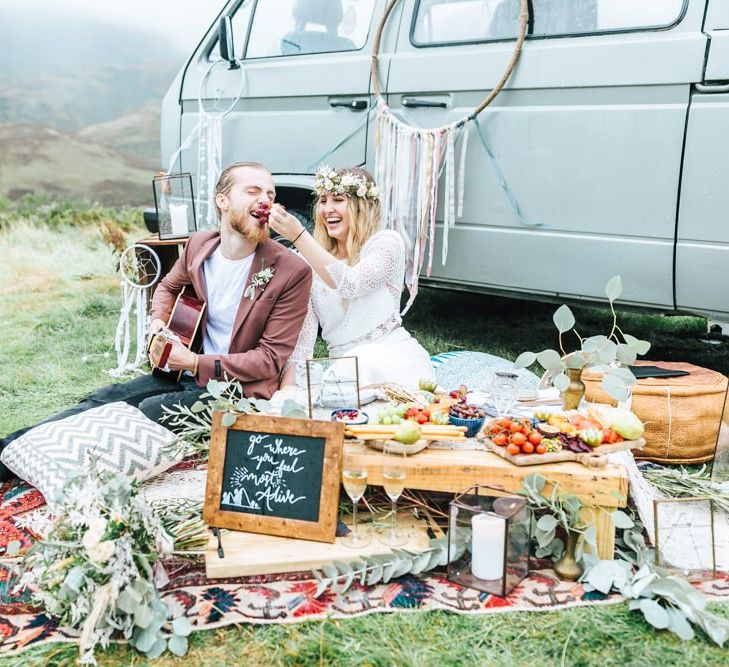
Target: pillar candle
{"type": "Point", "coordinates": [488, 533]}
{"type": "Point", "coordinates": [178, 218]}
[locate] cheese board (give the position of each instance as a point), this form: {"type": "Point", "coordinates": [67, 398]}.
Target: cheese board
{"type": "Point", "coordinates": [594, 459]}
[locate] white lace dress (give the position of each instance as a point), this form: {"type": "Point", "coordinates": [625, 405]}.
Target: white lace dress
{"type": "Point", "coordinates": [361, 316]}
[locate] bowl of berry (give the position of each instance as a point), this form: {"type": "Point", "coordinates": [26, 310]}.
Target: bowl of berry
{"type": "Point", "coordinates": [349, 416]}
{"type": "Point", "coordinates": [470, 416]}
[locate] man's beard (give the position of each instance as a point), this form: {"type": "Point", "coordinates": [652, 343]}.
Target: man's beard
{"type": "Point", "coordinates": [250, 230]}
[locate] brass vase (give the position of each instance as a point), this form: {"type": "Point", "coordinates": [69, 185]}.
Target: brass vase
{"type": "Point", "coordinates": [572, 396]}
{"type": "Point", "coordinates": [567, 568]}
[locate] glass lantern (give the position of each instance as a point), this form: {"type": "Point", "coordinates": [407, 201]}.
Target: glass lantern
{"type": "Point", "coordinates": [488, 540]}
{"type": "Point", "coordinates": [685, 537]}
{"type": "Point", "coordinates": [173, 199]}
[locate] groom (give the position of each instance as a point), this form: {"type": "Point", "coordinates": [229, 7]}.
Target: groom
{"type": "Point", "coordinates": [256, 293]}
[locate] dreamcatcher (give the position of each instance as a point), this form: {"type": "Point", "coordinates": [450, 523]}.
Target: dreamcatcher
{"type": "Point", "coordinates": [212, 108]}
{"type": "Point", "coordinates": [140, 268]}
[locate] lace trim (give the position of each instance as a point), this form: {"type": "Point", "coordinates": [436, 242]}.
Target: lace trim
{"type": "Point", "coordinates": [388, 326]}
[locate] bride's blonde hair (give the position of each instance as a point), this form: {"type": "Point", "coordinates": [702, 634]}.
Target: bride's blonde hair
{"type": "Point", "coordinates": [364, 220]}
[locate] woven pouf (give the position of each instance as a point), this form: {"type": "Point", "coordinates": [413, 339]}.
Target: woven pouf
{"type": "Point", "coordinates": [681, 414]}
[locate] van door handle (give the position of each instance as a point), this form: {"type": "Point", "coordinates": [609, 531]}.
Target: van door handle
{"type": "Point", "coordinates": [414, 102]}
{"type": "Point", "coordinates": [354, 105]}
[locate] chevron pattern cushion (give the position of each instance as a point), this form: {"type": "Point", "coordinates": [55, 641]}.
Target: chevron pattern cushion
{"type": "Point", "coordinates": [117, 436]}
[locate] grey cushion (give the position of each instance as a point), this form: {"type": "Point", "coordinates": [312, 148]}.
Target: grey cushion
{"type": "Point", "coordinates": [476, 370]}
{"type": "Point", "coordinates": [116, 436]}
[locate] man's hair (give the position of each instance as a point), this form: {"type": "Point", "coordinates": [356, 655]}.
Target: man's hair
{"type": "Point", "coordinates": [227, 178]}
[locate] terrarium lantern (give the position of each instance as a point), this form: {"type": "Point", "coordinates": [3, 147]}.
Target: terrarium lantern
{"type": "Point", "coordinates": [175, 204]}
{"type": "Point", "coordinates": [495, 531]}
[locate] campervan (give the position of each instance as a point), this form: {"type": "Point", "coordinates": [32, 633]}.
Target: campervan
{"type": "Point", "coordinates": [606, 153]}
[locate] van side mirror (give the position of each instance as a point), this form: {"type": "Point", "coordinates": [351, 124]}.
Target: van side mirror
{"type": "Point", "coordinates": [225, 39]}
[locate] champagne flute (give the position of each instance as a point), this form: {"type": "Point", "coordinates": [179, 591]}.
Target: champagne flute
{"type": "Point", "coordinates": [354, 478]}
{"type": "Point", "coordinates": [393, 480]}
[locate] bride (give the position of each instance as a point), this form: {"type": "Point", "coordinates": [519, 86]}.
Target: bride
{"type": "Point", "coordinates": [359, 273]}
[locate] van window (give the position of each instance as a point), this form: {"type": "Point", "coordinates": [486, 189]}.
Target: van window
{"type": "Point", "coordinates": [297, 27]}
{"type": "Point", "coordinates": [239, 20]}
{"type": "Point", "coordinates": [452, 21]}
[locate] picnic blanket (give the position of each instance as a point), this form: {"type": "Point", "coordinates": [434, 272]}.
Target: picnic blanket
{"type": "Point", "coordinates": [282, 598]}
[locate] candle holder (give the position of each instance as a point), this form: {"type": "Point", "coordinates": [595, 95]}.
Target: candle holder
{"type": "Point", "coordinates": [495, 531]}
{"type": "Point", "coordinates": [685, 537]}
{"type": "Point", "coordinates": [332, 382]}
{"type": "Point", "coordinates": [175, 205]}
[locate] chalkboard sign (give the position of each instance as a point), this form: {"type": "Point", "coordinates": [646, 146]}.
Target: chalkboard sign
{"type": "Point", "coordinates": [275, 476]}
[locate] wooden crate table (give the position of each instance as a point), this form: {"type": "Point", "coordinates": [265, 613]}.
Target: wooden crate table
{"type": "Point", "coordinates": [602, 490]}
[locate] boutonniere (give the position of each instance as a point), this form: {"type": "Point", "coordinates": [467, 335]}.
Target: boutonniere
{"type": "Point", "coordinates": [258, 281]}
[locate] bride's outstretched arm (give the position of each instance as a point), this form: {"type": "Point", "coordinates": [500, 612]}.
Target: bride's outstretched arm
{"type": "Point", "coordinates": [291, 229]}
{"type": "Point", "coordinates": [304, 346]}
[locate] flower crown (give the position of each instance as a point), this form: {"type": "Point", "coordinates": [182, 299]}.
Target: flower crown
{"type": "Point", "coordinates": [327, 180]}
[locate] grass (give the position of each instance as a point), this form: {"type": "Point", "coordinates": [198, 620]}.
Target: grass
{"type": "Point", "coordinates": [59, 302]}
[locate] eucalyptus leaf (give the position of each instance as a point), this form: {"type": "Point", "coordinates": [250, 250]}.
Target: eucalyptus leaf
{"type": "Point", "coordinates": [243, 405]}
{"type": "Point", "coordinates": [388, 570]}
{"type": "Point", "coordinates": [374, 575]}
{"type": "Point", "coordinates": [624, 374]}
{"type": "Point", "coordinates": [342, 567]}
{"type": "Point", "coordinates": [654, 614]}
{"type": "Point", "coordinates": [144, 639]}
{"type": "Point", "coordinates": [74, 579]}
{"type": "Point", "coordinates": [158, 648]}
{"type": "Point", "coordinates": [535, 481]}
{"type": "Point", "coordinates": [616, 387]}
{"type": "Point", "coordinates": [330, 571]}
{"type": "Point", "coordinates": [621, 519]}
{"type": "Point", "coordinates": [716, 627]}
{"type": "Point", "coordinates": [198, 406]}
{"type": "Point", "coordinates": [678, 624]}
{"type": "Point", "coordinates": [216, 388]}
{"type": "Point", "coordinates": [262, 405]}
{"type": "Point", "coordinates": [420, 562]}
{"type": "Point", "coordinates": [561, 381]}
{"type": "Point", "coordinates": [556, 548]}
{"type": "Point", "coordinates": [323, 585]}
{"type": "Point", "coordinates": [181, 626]}
{"type": "Point", "coordinates": [13, 548]}
{"type": "Point", "coordinates": [544, 538]}
{"type": "Point", "coordinates": [575, 360]}
{"type": "Point", "coordinates": [343, 583]}
{"type": "Point", "coordinates": [550, 360]}
{"type": "Point", "coordinates": [547, 523]}
{"type": "Point", "coordinates": [606, 353]}
{"type": "Point", "coordinates": [525, 359]}
{"type": "Point", "coordinates": [177, 645]}
{"type": "Point", "coordinates": [640, 346]}
{"type": "Point", "coordinates": [593, 343]}
{"type": "Point", "coordinates": [293, 410]}
{"type": "Point", "coordinates": [590, 536]}
{"type": "Point", "coordinates": [614, 288]}
{"type": "Point", "coordinates": [563, 319]}
{"type": "Point", "coordinates": [626, 354]}
{"type": "Point", "coordinates": [143, 616]}
{"type": "Point", "coordinates": [228, 419]}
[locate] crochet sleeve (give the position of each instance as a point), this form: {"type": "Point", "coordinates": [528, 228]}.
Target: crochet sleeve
{"type": "Point", "coordinates": [307, 338]}
{"type": "Point", "coordinates": [381, 261]}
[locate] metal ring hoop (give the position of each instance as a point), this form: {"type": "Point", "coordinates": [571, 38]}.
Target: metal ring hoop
{"type": "Point", "coordinates": [155, 260]}
{"type": "Point", "coordinates": [523, 21]}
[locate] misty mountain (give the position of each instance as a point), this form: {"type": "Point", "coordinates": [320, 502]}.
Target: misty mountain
{"type": "Point", "coordinates": [69, 73]}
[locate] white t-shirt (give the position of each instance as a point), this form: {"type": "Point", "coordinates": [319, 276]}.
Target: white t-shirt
{"type": "Point", "coordinates": [225, 280]}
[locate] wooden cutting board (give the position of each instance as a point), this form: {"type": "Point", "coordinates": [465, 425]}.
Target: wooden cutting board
{"type": "Point", "coordinates": [251, 553]}
{"type": "Point", "coordinates": [594, 459]}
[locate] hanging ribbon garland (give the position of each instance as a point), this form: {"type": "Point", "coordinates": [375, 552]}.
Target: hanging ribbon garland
{"type": "Point", "coordinates": [409, 162]}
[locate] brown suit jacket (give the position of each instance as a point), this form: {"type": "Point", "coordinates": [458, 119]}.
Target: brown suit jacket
{"type": "Point", "coordinates": [266, 327]}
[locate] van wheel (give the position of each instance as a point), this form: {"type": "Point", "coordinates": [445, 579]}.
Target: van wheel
{"type": "Point", "coordinates": [303, 218]}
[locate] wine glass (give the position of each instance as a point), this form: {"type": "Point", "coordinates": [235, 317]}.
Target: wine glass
{"type": "Point", "coordinates": [393, 480]}
{"type": "Point", "coordinates": [354, 478]}
{"type": "Point", "coordinates": [503, 392]}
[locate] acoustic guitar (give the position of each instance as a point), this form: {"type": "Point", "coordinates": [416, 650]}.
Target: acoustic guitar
{"type": "Point", "coordinates": [182, 326]}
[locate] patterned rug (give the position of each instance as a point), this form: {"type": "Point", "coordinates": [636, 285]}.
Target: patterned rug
{"type": "Point", "coordinates": [285, 598]}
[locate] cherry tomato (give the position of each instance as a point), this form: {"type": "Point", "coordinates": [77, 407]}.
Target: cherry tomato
{"type": "Point", "coordinates": [499, 439]}
{"type": "Point", "coordinates": [516, 427]}
{"type": "Point", "coordinates": [421, 418]}
{"type": "Point", "coordinates": [505, 422]}
{"type": "Point", "coordinates": [518, 439]}
{"type": "Point", "coordinates": [527, 448]}
{"type": "Point", "coordinates": [541, 449]}
{"type": "Point", "coordinates": [535, 437]}
{"type": "Point", "coordinates": [512, 449]}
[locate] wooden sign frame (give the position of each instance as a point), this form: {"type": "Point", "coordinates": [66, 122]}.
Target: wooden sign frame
{"type": "Point", "coordinates": [323, 530]}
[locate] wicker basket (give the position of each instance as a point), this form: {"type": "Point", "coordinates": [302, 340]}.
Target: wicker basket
{"type": "Point", "coordinates": [681, 414]}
